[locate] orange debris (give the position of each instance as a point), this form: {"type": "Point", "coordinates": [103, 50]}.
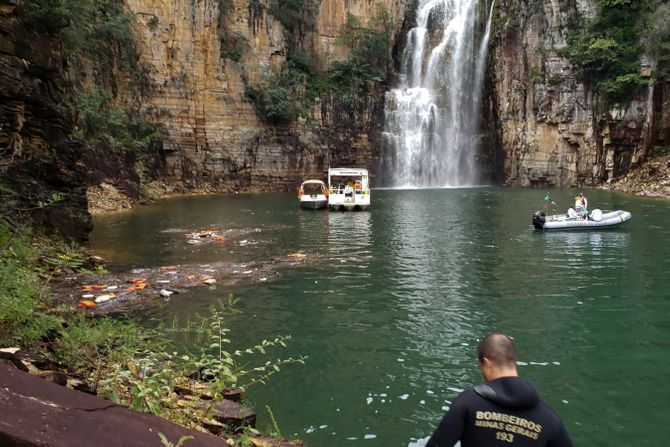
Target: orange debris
{"type": "Point", "coordinates": [137, 286]}
{"type": "Point", "coordinates": [169, 267]}
{"type": "Point", "coordinates": [86, 304]}
{"type": "Point", "coordinates": [136, 280]}
{"type": "Point", "coordinates": [93, 287]}
{"type": "Point", "coordinates": [190, 277]}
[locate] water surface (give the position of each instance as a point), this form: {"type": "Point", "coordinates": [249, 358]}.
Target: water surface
{"type": "Point", "coordinates": [392, 311]}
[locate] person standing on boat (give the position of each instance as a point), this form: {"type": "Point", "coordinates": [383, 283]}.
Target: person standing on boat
{"type": "Point", "coordinates": [585, 206]}
{"type": "Point", "coordinates": [504, 411]}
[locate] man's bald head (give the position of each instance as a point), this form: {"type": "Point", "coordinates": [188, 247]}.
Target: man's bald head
{"type": "Point", "coordinates": [499, 349]}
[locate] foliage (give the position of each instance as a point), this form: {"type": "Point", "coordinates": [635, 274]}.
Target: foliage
{"type": "Point", "coordinates": [86, 26]}
{"type": "Point", "coordinates": [606, 51]}
{"type": "Point", "coordinates": [180, 443]}
{"type": "Point", "coordinates": [296, 16]}
{"type": "Point", "coordinates": [275, 431]}
{"type": "Point", "coordinates": [19, 287]}
{"type": "Point", "coordinates": [147, 382]}
{"type": "Point", "coordinates": [288, 93]}
{"type": "Point", "coordinates": [657, 41]}
{"type": "Point", "coordinates": [152, 23]}
{"type": "Point", "coordinates": [233, 45]}
{"type": "Point", "coordinates": [103, 125]}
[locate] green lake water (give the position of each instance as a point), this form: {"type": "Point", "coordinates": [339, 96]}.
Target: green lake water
{"type": "Point", "coordinates": [398, 296]}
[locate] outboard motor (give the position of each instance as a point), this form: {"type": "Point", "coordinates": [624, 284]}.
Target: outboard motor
{"type": "Point", "coordinates": [539, 218]}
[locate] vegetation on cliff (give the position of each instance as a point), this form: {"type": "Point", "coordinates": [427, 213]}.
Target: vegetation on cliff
{"type": "Point", "coordinates": [288, 93]}
{"type": "Point", "coordinates": [606, 50]}
{"type": "Point", "coordinates": [97, 32]}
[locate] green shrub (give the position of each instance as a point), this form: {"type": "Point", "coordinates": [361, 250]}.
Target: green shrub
{"type": "Point", "coordinates": [103, 125]}
{"type": "Point", "coordinates": [232, 46]}
{"type": "Point", "coordinates": [20, 291]}
{"type": "Point", "coordinates": [606, 51]}
{"type": "Point", "coordinates": [657, 41]}
{"type": "Point", "coordinates": [84, 25]}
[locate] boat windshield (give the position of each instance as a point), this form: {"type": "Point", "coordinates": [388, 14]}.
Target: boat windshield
{"type": "Point", "coordinates": [312, 189]}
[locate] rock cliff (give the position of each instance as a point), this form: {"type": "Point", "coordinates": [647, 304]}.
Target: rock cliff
{"type": "Point", "coordinates": [41, 172]}
{"type": "Point", "coordinates": [550, 129]}
{"type": "Point", "coordinates": [202, 55]}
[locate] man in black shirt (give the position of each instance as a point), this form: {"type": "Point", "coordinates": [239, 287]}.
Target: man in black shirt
{"type": "Point", "coordinates": [505, 411]}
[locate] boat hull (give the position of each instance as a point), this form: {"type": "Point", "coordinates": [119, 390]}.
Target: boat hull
{"type": "Point", "coordinates": [561, 223]}
{"type": "Point", "coordinates": [313, 204]}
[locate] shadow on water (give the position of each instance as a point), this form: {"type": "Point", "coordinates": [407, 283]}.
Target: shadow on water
{"type": "Point", "coordinates": [391, 310]}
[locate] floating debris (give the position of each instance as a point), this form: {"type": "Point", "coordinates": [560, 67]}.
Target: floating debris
{"type": "Point", "coordinates": [86, 304]}
{"type": "Point", "coordinates": [136, 280]}
{"type": "Point", "coordinates": [93, 287]}
{"type": "Point", "coordinates": [137, 287]}
{"type": "Point", "coordinates": [104, 298]}
{"type": "Point", "coordinates": [166, 293]}
{"type": "Point", "coordinates": [169, 267]}
{"type": "Point", "coordinates": [210, 281]}
{"type": "Point", "coordinates": [296, 256]}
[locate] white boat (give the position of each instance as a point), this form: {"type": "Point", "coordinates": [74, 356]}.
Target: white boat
{"type": "Point", "coordinates": [348, 189]}
{"type": "Point", "coordinates": [313, 194]}
{"type": "Point", "coordinates": [596, 220]}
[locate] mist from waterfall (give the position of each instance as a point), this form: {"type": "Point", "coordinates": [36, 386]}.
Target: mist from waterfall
{"type": "Point", "coordinates": [432, 118]}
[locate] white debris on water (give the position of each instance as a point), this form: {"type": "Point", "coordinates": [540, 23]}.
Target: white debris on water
{"type": "Point", "coordinates": [556, 363]}
{"type": "Point", "coordinates": [323, 426]}
{"type": "Point", "coordinates": [445, 408]}
{"type": "Point", "coordinates": [456, 390]}
{"type": "Point", "coordinates": [369, 400]}
{"type": "Point", "coordinates": [310, 429]}
{"type": "Point", "coordinates": [401, 360]}
{"type": "Point", "coordinates": [429, 392]}
{"type": "Point", "coordinates": [422, 402]}
{"type": "Point", "coordinates": [521, 363]}
{"type": "Point", "coordinates": [539, 363]}
{"type": "Point", "coordinates": [369, 436]}
{"type": "Point", "coordinates": [564, 401]}
{"type": "Point", "coordinates": [166, 293]}
{"type": "Point", "coordinates": [104, 298]}
{"type": "Point", "coordinates": [403, 396]}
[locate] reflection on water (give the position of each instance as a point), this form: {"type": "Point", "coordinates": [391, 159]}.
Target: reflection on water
{"type": "Point", "coordinates": [397, 297]}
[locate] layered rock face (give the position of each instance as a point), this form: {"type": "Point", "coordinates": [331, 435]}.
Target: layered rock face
{"type": "Point", "coordinates": [38, 166]}
{"type": "Point", "coordinates": [548, 127]}
{"type": "Point", "coordinates": [216, 140]}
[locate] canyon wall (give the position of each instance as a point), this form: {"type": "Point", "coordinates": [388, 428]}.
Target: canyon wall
{"type": "Point", "coordinates": [41, 172]}
{"type": "Point", "coordinates": [550, 130]}
{"type": "Point", "coordinates": [216, 140]}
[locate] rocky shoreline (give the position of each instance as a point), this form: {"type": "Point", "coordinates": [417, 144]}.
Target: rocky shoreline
{"type": "Point", "coordinates": [652, 179]}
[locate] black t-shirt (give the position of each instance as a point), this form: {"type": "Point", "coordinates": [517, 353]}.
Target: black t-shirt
{"type": "Point", "coordinates": [504, 412]}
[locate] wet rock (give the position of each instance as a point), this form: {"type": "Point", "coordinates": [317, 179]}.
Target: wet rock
{"type": "Point", "coordinates": [232, 414]}
{"type": "Point", "coordinates": [35, 412]}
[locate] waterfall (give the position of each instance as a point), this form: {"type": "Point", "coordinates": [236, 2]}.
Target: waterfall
{"type": "Point", "coordinates": [432, 118]}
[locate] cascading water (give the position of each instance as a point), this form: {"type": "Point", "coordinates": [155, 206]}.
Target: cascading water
{"type": "Point", "coordinates": [432, 118]}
